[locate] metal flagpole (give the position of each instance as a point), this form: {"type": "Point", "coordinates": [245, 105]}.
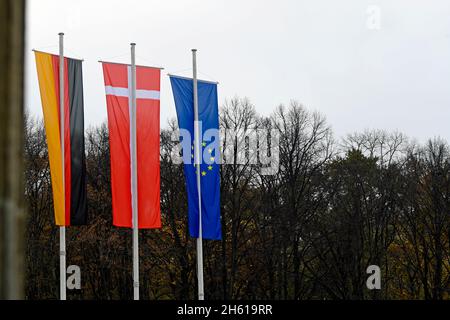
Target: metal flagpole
{"type": "Point", "coordinates": [134, 195]}
{"type": "Point", "coordinates": [62, 229]}
{"type": "Point", "coordinates": [201, 290]}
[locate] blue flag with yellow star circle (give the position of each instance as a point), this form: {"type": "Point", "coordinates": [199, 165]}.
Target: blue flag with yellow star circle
{"type": "Point", "coordinates": [209, 147]}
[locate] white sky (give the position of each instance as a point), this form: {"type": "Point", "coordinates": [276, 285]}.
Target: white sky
{"type": "Point", "coordinates": [333, 56]}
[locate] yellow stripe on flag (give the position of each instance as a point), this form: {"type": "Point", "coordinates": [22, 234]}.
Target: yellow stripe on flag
{"type": "Point", "coordinates": [51, 119]}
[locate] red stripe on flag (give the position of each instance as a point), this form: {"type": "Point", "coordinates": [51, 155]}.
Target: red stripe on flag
{"type": "Point", "coordinates": [148, 163]}
{"type": "Point", "coordinates": [119, 144]}
{"type": "Point", "coordinates": [147, 78]}
{"type": "Point", "coordinates": [67, 147]}
{"type": "Point", "coordinates": [115, 75]}
{"type": "Point", "coordinates": [148, 148]}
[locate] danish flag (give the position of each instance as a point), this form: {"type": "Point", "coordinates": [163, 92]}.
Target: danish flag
{"type": "Point", "coordinates": [118, 98]}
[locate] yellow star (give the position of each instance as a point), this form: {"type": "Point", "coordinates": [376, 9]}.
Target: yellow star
{"type": "Point", "coordinates": [204, 144]}
{"type": "Point", "coordinates": [203, 173]}
{"type": "Point", "coordinates": [192, 156]}
{"type": "Point", "coordinates": [192, 147]}
{"type": "Point", "coordinates": [210, 168]}
{"type": "Point", "coordinates": [212, 159]}
{"type": "Point", "coordinates": [210, 150]}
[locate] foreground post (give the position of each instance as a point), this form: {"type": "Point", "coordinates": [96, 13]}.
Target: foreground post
{"type": "Point", "coordinates": [12, 219]}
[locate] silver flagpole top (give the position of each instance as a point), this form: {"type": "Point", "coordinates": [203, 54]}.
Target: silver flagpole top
{"type": "Point", "coordinates": [132, 44]}
{"type": "Point", "coordinates": [61, 34]}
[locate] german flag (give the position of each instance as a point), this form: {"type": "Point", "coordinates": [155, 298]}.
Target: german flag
{"type": "Point", "coordinates": [69, 202]}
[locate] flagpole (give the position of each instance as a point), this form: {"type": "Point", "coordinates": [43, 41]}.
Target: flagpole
{"type": "Point", "coordinates": [134, 195]}
{"type": "Point", "coordinates": [62, 229]}
{"type": "Point", "coordinates": [201, 290]}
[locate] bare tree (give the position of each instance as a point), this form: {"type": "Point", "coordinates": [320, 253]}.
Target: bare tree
{"type": "Point", "coordinates": [305, 146]}
{"type": "Point", "coordinates": [307, 231]}
{"type": "Point", "coordinates": [424, 227]}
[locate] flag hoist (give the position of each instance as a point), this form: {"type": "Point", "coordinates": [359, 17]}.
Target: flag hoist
{"type": "Point", "coordinates": [133, 103]}
{"type": "Point", "coordinates": [201, 288]}
{"type": "Point", "coordinates": [61, 88]}
{"type": "Point", "coordinates": [134, 191]}
{"type": "Point", "coordinates": [62, 229]}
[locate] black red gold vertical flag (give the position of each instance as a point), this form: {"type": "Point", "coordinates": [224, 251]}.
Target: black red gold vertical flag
{"type": "Point", "coordinates": [70, 208]}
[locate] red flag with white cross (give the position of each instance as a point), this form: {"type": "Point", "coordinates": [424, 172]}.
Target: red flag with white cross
{"type": "Point", "coordinates": [118, 97]}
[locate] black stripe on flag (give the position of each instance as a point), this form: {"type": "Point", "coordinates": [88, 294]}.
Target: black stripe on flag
{"type": "Point", "coordinates": [78, 204]}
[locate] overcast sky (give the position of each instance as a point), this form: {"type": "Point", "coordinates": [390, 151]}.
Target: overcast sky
{"type": "Point", "coordinates": [363, 64]}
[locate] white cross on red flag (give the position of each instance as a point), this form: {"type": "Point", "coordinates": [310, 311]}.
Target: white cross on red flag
{"type": "Point", "coordinates": [118, 98]}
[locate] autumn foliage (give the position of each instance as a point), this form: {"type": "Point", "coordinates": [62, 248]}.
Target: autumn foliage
{"type": "Point", "coordinates": [307, 232]}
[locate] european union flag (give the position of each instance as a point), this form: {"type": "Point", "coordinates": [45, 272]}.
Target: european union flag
{"type": "Point", "coordinates": [210, 152]}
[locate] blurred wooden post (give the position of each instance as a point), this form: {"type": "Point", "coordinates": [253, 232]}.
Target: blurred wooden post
{"type": "Point", "coordinates": [12, 19]}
